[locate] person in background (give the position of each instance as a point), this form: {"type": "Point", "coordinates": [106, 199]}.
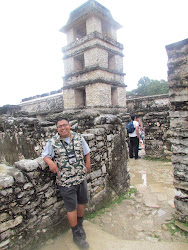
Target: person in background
{"type": "Point", "coordinates": [141, 131]}
{"type": "Point", "coordinates": [134, 138]}
{"type": "Point", "coordinates": [68, 156]}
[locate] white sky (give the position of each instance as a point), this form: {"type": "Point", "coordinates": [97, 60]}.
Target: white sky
{"type": "Point", "coordinates": [30, 43]}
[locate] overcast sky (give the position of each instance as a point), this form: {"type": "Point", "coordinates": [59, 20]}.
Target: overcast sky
{"type": "Point", "coordinates": [31, 44]}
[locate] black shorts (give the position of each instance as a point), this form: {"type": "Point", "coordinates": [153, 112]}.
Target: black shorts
{"type": "Point", "coordinates": [74, 195]}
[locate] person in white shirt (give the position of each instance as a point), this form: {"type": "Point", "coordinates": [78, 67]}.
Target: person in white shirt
{"type": "Point", "coordinates": [134, 139]}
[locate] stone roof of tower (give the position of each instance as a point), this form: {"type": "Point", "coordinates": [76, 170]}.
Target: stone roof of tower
{"type": "Point", "coordinates": [88, 8]}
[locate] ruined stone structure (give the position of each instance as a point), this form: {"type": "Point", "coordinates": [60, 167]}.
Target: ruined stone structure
{"type": "Point", "coordinates": [46, 104]}
{"type": "Point", "coordinates": [31, 208]}
{"type": "Point", "coordinates": [93, 59]}
{"type": "Point", "coordinates": [95, 103]}
{"type": "Point", "coordinates": [178, 93]}
{"type": "Point", "coordinates": [154, 113]}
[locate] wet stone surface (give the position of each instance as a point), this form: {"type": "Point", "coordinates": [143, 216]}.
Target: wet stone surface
{"type": "Point", "coordinates": [146, 215]}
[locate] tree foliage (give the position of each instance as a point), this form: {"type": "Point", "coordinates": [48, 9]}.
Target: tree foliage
{"type": "Point", "coordinates": [147, 87]}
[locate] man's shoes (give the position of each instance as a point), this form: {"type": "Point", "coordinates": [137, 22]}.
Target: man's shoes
{"type": "Point", "coordinates": [82, 233]}
{"type": "Point", "coordinates": [78, 240]}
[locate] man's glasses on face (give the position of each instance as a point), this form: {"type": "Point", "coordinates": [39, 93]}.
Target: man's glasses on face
{"type": "Point", "coordinates": [63, 126]}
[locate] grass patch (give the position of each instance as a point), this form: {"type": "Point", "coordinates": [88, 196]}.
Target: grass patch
{"type": "Point", "coordinates": [110, 205]}
{"type": "Point", "coordinates": [175, 229]}
{"type": "Point", "coordinates": [148, 158]}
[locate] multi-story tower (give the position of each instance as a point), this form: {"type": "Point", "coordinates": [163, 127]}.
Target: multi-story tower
{"type": "Point", "coordinates": [93, 59]}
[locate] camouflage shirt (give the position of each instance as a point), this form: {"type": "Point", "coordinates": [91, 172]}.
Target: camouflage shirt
{"type": "Point", "coordinates": [74, 173]}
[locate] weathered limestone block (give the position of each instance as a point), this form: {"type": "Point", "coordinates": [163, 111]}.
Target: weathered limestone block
{"type": "Point", "coordinates": [17, 175]}
{"type": "Point", "coordinates": [6, 181]}
{"type": "Point", "coordinates": [121, 97]}
{"type": "Point", "coordinates": [98, 94]}
{"type": "Point", "coordinates": [183, 185]}
{"type": "Point", "coordinates": [27, 165]}
{"type": "Point", "coordinates": [157, 134]}
{"type": "Point", "coordinates": [69, 98]}
{"type": "Point", "coordinates": [43, 104]}
{"type": "Point", "coordinates": [148, 103]}
{"type": "Point", "coordinates": [4, 216]}
{"type": "Point", "coordinates": [100, 181]}
{"type": "Point", "coordinates": [6, 234]}
{"type": "Point", "coordinates": [10, 224]}
{"type": "Point", "coordinates": [7, 191]}
{"type": "Point", "coordinates": [4, 243]}
{"type": "Point", "coordinates": [178, 93]}
{"type": "Point", "coordinates": [49, 202]}
{"type": "Point", "coordinates": [93, 23]}
{"type": "Point", "coordinates": [97, 131]}
{"type": "Point", "coordinates": [96, 57]}
{"type": "Point", "coordinates": [95, 174]}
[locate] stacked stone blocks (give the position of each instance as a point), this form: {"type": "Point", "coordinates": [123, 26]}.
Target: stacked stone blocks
{"type": "Point", "coordinates": [93, 57]}
{"type": "Point", "coordinates": [178, 93]}
{"type": "Point", "coordinates": [31, 207]}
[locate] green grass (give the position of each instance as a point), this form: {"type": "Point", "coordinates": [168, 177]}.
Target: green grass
{"type": "Point", "coordinates": [148, 158]}
{"type": "Point", "coordinates": [110, 205]}
{"type": "Point", "coordinates": [175, 229]}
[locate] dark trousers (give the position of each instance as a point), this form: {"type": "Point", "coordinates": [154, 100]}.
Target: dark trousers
{"type": "Point", "coordinates": [133, 149]}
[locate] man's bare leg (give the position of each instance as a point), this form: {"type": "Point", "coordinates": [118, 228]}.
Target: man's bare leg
{"type": "Point", "coordinates": [80, 210]}
{"type": "Point", "coordinates": [72, 218]}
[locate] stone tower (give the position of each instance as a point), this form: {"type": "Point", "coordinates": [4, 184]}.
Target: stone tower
{"type": "Point", "coordinates": [93, 59]}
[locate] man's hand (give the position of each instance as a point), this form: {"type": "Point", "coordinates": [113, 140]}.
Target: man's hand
{"type": "Point", "coordinates": [52, 166]}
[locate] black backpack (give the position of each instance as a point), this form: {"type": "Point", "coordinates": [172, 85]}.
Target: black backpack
{"type": "Point", "coordinates": [130, 127]}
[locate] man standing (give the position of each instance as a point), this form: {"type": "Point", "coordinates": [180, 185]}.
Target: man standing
{"type": "Point", "coordinates": [134, 138]}
{"type": "Point", "coordinates": [64, 153]}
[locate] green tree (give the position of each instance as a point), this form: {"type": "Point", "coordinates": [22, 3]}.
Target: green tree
{"type": "Point", "coordinates": [148, 87]}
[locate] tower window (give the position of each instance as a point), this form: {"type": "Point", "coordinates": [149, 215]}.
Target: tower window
{"type": "Point", "coordinates": [80, 97]}
{"type": "Point", "coordinates": [111, 61]}
{"type": "Point", "coordinates": [114, 96]}
{"type": "Point", "coordinates": [80, 31]}
{"type": "Point", "coordinates": [79, 63]}
{"type": "Point", "coordinates": [106, 29]}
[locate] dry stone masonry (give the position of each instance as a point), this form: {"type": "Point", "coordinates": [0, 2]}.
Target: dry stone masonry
{"type": "Point", "coordinates": [93, 59]}
{"type": "Point", "coordinates": [31, 208]}
{"type": "Point", "coordinates": [178, 93]}
{"type": "Point", "coordinates": [154, 113]}
{"type": "Point", "coordinates": [94, 100]}
{"type": "Point", "coordinates": [43, 104]}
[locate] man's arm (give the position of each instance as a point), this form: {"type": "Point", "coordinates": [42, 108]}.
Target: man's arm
{"type": "Point", "coordinates": [87, 162]}
{"type": "Point", "coordinates": [47, 155]}
{"type": "Point", "coordinates": [52, 166]}
{"type": "Point", "coordinates": [137, 131]}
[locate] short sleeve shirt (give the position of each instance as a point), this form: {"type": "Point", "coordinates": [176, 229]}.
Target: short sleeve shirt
{"type": "Point", "coordinates": [136, 124]}
{"type": "Point", "coordinates": [49, 152]}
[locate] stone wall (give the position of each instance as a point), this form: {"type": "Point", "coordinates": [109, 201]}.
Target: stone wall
{"type": "Point", "coordinates": [178, 93]}
{"type": "Point", "coordinates": [145, 104]}
{"type": "Point", "coordinates": [45, 104]}
{"type": "Point", "coordinates": [31, 208]}
{"type": "Point", "coordinates": [157, 135]}
{"type": "Point", "coordinates": [154, 113]}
